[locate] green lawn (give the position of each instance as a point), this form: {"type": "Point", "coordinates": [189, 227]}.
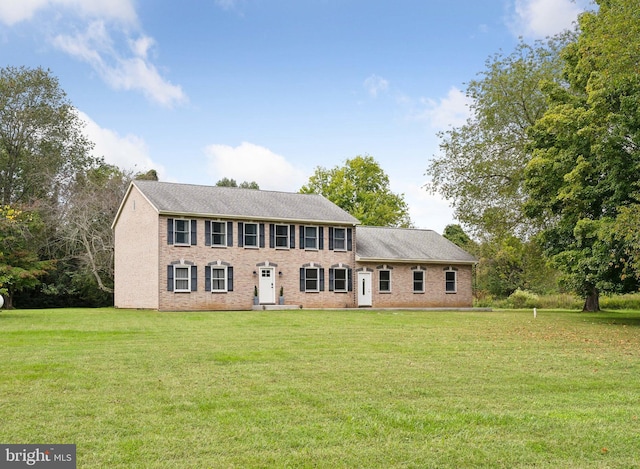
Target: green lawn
{"type": "Point", "coordinates": [325, 389]}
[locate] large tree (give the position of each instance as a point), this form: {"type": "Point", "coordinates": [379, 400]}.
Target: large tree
{"type": "Point", "coordinates": [361, 188]}
{"type": "Point", "coordinates": [586, 153]}
{"type": "Point", "coordinates": [41, 141]}
{"type": "Point", "coordinates": [481, 163]}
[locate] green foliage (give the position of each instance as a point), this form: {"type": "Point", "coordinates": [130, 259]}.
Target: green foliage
{"type": "Point", "coordinates": [226, 182]}
{"type": "Point", "coordinates": [586, 155]}
{"type": "Point", "coordinates": [457, 236]}
{"type": "Point", "coordinates": [361, 188]}
{"type": "Point", "coordinates": [524, 299]}
{"type": "Point", "coordinates": [481, 163]}
{"type": "Point", "coordinates": [20, 267]}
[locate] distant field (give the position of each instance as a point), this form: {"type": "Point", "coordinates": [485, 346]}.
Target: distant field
{"type": "Point", "coordinates": [326, 389]}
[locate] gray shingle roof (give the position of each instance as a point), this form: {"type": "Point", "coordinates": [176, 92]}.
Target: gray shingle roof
{"type": "Point", "coordinates": [400, 244]}
{"type": "Point", "coordinates": [188, 199]}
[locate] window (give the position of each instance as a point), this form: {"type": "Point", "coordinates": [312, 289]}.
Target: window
{"type": "Point", "coordinates": [340, 239]}
{"type": "Point", "coordinates": [384, 277]}
{"type": "Point", "coordinates": [418, 281]}
{"type": "Point", "coordinates": [182, 232]}
{"type": "Point", "coordinates": [311, 279]}
{"type": "Point", "coordinates": [181, 277]}
{"type": "Point", "coordinates": [251, 234]}
{"type": "Point", "coordinates": [450, 281]}
{"type": "Point", "coordinates": [218, 277]}
{"type": "Point", "coordinates": [218, 233]}
{"type": "Point", "coordinates": [339, 279]}
{"type": "Point", "coordinates": [311, 237]}
{"type": "Point", "coordinates": [282, 236]}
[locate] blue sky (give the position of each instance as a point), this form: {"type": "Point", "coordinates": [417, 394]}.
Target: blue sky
{"type": "Point", "coordinates": [268, 90]}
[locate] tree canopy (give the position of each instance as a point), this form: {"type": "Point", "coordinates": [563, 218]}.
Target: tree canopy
{"type": "Point", "coordinates": [226, 182]}
{"type": "Point", "coordinates": [586, 153]}
{"type": "Point", "coordinates": [361, 188]}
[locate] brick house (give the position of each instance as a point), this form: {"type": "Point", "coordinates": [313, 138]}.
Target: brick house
{"type": "Point", "coordinates": [189, 247]}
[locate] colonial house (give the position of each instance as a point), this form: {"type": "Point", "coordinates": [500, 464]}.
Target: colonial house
{"type": "Point", "coordinates": [189, 247]}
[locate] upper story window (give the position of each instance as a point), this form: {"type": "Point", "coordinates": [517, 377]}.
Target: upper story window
{"type": "Point", "coordinates": [282, 236]}
{"type": "Point", "coordinates": [181, 232]}
{"type": "Point", "coordinates": [450, 281]}
{"type": "Point", "coordinates": [340, 239]}
{"type": "Point", "coordinates": [218, 233]}
{"type": "Point", "coordinates": [384, 280]}
{"type": "Point", "coordinates": [311, 237]}
{"type": "Point", "coordinates": [251, 234]}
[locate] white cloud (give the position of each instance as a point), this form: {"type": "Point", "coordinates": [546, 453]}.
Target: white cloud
{"type": "Point", "coordinates": [427, 211]}
{"type": "Point", "coordinates": [249, 162]}
{"type": "Point", "coordinates": [542, 18]}
{"type": "Point", "coordinates": [452, 110]}
{"type": "Point", "coordinates": [132, 71]}
{"type": "Point", "coordinates": [126, 152]}
{"type": "Point", "coordinates": [12, 12]}
{"type": "Point", "coordinates": [375, 85]}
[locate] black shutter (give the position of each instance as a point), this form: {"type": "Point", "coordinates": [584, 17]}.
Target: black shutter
{"type": "Point", "coordinates": [207, 278]}
{"type": "Point", "coordinates": [240, 234]}
{"type": "Point", "coordinates": [272, 235]}
{"type": "Point", "coordinates": [229, 278]}
{"type": "Point", "coordinates": [349, 239]}
{"type": "Point", "coordinates": [349, 280]}
{"type": "Point", "coordinates": [261, 235]}
{"type": "Point", "coordinates": [194, 232]}
{"type": "Point", "coordinates": [229, 233]}
{"type": "Point", "coordinates": [321, 237]}
{"type": "Point", "coordinates": [292, 236]}
{"type": "Point", "coordinates": [332, 279]}
{"type": "Point", "coordinates": [169, 278]}
{"type": "Point", "coordinates": [207, 232]}
{"type": "Point", "coordinates": [321, 279]}
{"type": "Point", "coordinates": [301, 236]}
{"type": "Point", "coordinates": [330, 239]}
{"type": "Point", "coordinates": [194, 278]}
{"type": "Point", "coordinates": [169, 230]}
{"type": "Point", "coordinates": [302, 279]}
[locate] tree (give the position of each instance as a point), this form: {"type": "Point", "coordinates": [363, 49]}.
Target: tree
{"type": "Point", "coordinates": [480, 168]}
{"type": "Point", "coordinates": [226, 182]}
{"type": "Point", "coordinates": [361, 188]}
{"type": "Point", "coordinates": [20, 267]}
{"type": "Point", "coordinates": [586, 153]}
{"type": "Point", "coordinates": [41, 139]}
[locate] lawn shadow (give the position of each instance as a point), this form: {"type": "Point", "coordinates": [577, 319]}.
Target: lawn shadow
{"type": "Point", "coordinates": [618, 318]}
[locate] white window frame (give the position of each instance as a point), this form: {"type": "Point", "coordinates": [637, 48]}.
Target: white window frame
{"type": "Point", "coordinates": [178, 268]}
{"type": "Point", "coordinates": [282, 237]}
{"type": "Point", "coordinates": [388, 271]}
{"type": "Point", "coordinates": [246, 236]}
{"type": "Point", "coordinates": [335, 279]}
{"type": "Point", "coordinates": [447, 282]}
{"type": "Point", "coordinates": [222, 234]}
{"type": "Point", "coordinates": [224, 278]}
{"type": "Point", "coordinates": [422, 280]}
{"type": "Point", "coordinates": [342, 240]}
{"type": "Point", "coordinates": [307, 280]}
{"type": "Point", "coordinates": [315, 228]}
{"type": "Point", "coordinates": [182, 232]}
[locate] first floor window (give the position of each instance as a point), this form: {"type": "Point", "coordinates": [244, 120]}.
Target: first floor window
{"type": "Point", "coordinates": [384, 277]}
{"type": "Point", "coordinates": [340, 280]}
{"type": "Point", "coordinates": [218, 279]}
{"type": "Point", "coordinates": [450, 281]}
{"type": "Point", "coordinates": [418, 281]}
{"type": "Point", "coordinates": [312, 278]}
{"type": "Point", "coordinates": [182, 278]}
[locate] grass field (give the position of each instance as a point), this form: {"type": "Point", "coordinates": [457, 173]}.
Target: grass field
{"type": "Point", "coordinates": [325, 389]}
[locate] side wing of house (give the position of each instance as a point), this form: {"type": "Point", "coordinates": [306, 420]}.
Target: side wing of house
{"type": "Point", "coordinates": [136, 253]}
{"type": "Point", "coordinates": [404, 268]}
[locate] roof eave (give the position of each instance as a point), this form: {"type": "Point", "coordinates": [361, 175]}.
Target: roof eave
{"type": "Point", "coordinates": [256, 218]}
{"type": "Point", "coordinates": [416, 261]}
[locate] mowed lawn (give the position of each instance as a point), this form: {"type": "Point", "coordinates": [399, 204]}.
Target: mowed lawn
{"type": "Point", "coordinates": [324, 389]}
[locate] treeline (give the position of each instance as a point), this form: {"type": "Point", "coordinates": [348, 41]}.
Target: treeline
{"type": "Point", "coordinates": [544, 174]}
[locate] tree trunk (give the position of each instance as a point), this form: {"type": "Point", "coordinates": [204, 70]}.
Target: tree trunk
{"type": "Point", "coordinates": [592, 301]}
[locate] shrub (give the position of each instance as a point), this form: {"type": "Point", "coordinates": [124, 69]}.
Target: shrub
{"type": "Point", "coordinates": [523, 299]}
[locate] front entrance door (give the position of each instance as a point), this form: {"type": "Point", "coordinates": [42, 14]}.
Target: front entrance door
{"type": "Point", "coordinates": [364, 289]}
{"type": "Point", "coordinates": [267, 286]}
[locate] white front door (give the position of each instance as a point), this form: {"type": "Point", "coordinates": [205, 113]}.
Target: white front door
{"type": "Point", "coordinates": [267, 286]}
{"type": "Point", "coordinates": [364, 289]}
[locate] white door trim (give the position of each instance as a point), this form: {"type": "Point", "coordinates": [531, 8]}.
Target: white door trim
{"type": "Point", "coordinates": [364, 289]}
